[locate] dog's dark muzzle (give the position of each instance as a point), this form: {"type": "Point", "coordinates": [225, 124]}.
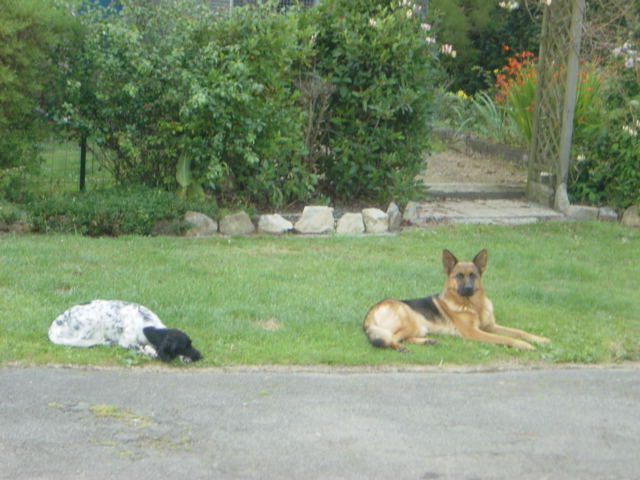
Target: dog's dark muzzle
{"type": "Point", "coordinates": [466, 290]}
{"type": "Point", "coordinates": [193, 355]}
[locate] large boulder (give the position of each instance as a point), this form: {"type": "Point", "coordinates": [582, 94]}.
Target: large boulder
{"type": "Point", "coordinates": [316, 219]}
{"type": "Point", "coordinates": [236, 224]}
{"type": "Point", "coordinates": [274, 224]}
{"type": "Point", "coordinates": [350, 223]}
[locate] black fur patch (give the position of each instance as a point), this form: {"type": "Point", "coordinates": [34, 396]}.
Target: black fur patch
{"type": "Point", "coordinates": [170, 342]}
{"type": "Point", "coordinates": [426, 307]}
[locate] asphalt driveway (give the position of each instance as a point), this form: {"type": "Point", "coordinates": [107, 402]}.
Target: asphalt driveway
{"type": "Point", "coordinates": [76, 423]}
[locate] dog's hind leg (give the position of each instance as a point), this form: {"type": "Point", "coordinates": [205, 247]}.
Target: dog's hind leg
{"type": "Point", "coordinates": [421, 340]}
{"type": "Point", "coordinates": [407, 335]}
{"type": "Point", "coordinates": [380, 337]}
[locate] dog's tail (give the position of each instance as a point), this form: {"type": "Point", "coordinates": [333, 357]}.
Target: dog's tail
{"type": "Point", "coordinates": [378, 337]}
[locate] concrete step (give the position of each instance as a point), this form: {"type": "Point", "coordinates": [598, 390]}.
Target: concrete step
{"type": "Point", "coordinates": [487, 211]}
{"type": "Point", "coordinates": [473, 191]}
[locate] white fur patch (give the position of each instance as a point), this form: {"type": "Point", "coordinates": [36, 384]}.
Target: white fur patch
{"type": "Point", "coordinates": [105, 322]}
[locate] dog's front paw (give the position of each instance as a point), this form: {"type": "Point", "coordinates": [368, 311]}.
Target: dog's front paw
{"type": "Point", "coordinates": [402, 349]}
{"type": "Point", "coordinates": [523, 345]}
{"type": "Point", "coordinates": [542, 339]}
{"type": "Point", "coordinates": [149, 351]}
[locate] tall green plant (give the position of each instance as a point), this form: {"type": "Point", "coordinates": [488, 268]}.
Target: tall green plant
{"type": "Point", "coordinates": [379, 58]}
{"type": "Point", "coordinates": [247, 104]}
{"type": "Point", "coordinates": [491, 119]}
{"type": "Point", "coordinates": [516, 87]}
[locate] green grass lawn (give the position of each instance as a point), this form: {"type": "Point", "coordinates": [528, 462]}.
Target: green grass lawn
{"type": "Point", "coordinates": [301, 300]}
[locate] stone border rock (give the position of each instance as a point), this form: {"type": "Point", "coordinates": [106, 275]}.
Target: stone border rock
{"type": "Point", "coordinates": [314, 220]}
{"type": "Point", "coordinates": [631, 216]}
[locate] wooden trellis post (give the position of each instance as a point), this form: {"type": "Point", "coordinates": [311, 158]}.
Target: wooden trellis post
{"type": "Point", "coordinates": [555, 100]}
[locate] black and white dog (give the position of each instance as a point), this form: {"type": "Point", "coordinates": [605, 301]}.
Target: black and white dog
{"type": "Point", "coordinates": [129, 325]}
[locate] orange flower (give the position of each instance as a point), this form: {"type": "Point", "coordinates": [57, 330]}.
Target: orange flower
{"type": "Point", "coordinates": [519, 69]}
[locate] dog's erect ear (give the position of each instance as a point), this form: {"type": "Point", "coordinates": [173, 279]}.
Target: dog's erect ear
{"type": "Point", "coordinates": [449, 261]}
{"type": "Point", "coordinates": [480, 260]}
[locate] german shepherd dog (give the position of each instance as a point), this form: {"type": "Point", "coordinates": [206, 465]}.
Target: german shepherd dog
{"type": "Point", "coordinates": [461, 309]}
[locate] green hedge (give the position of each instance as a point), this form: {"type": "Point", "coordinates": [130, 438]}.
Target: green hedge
{"type": "Point", "coordinates": [176, 94]}
{"type": "Point", "coordinates": [377, 57]}
{"type": "Point", "coordinates": [111, 212]}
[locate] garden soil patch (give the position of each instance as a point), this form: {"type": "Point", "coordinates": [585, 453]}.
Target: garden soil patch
{"type": "Point", "coordinates": [454, 167]}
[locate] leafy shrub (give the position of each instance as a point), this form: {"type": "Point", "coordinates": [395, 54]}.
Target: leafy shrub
{"type": "Point", "coordinates": [610, 172]}
{"type": "Point", "coordinates": [376, 56]}
{"type": "Point", "coordinates": [10, 213]}
{"type": "Point", "coordinates": [258, 105]}
{"type": "Point", "coordinates": [246, 105]}
{"type": "Point", "coordinates": [480, 114]}
{"type": "Point", "coordinates": [174, 82]}
{"type": "Point", "coordinates": [607, 169]}
{"type": "Point", "coordinates": [110, 212]}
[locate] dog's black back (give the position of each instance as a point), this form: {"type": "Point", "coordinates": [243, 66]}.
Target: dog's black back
{"type": "Point", "coordinates": [171, 342]}
{"type": "Point", "coordinates": [425, 306]}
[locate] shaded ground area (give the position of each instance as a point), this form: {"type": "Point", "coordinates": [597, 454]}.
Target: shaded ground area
{"type": "Point", "coordinates": [453, 167]}
{"type": "Point", "coordinates": [75, 423]}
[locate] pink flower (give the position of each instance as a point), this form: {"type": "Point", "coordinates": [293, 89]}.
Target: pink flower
{"type": "Point", "coordinates": [447, 49]}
